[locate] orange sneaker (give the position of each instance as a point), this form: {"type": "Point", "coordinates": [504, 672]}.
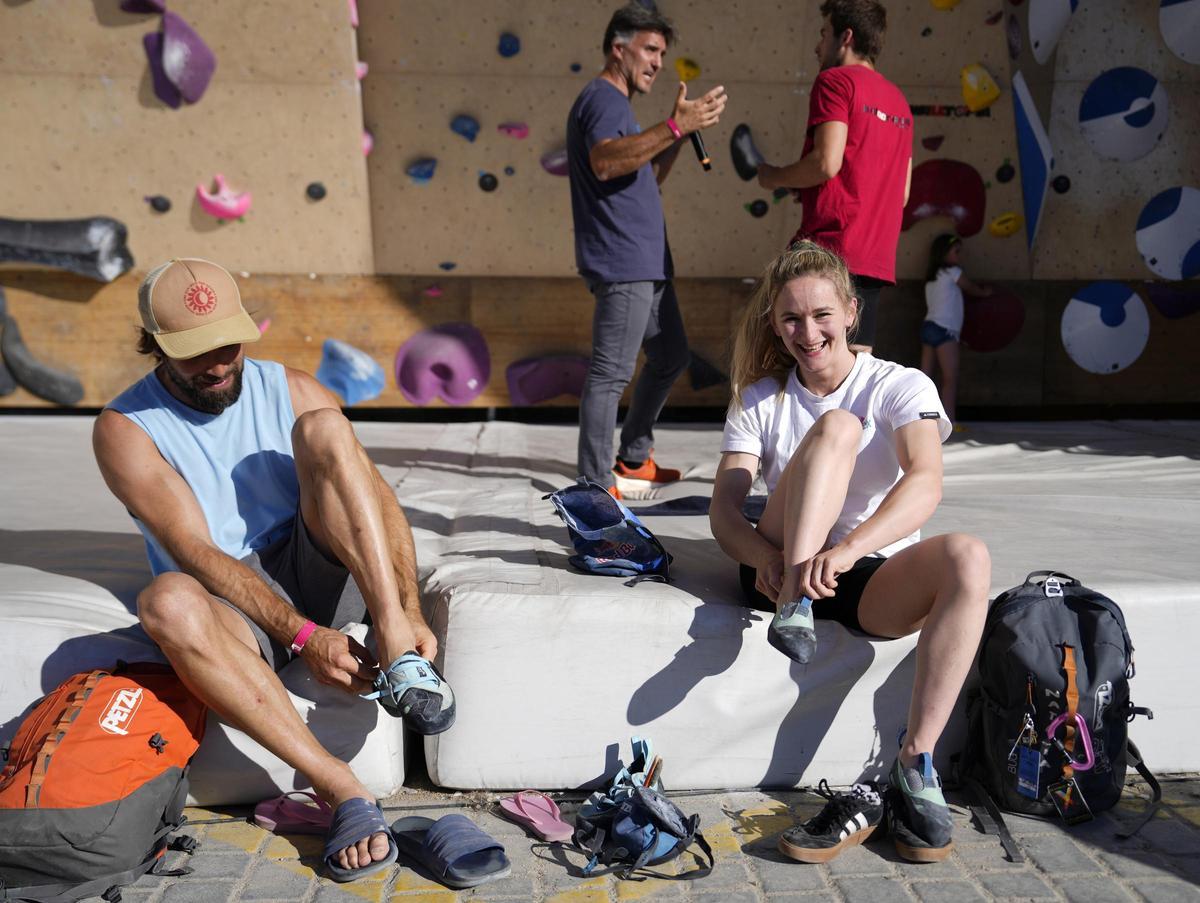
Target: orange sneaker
{"type": "Point", "coordinates": [641, 481]}
{"type": "Point", "coordinates": [615, 493]}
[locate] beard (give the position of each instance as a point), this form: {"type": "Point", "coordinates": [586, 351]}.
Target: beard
{"type": "Point", "coordinates": [206, 400]}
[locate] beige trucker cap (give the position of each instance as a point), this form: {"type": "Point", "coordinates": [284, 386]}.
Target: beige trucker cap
{"type": "Point", "coordinates": [192, 306]}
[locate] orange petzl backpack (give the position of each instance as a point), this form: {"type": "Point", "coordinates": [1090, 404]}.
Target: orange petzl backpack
{"type": "Point", "coordinates": [95, 783]}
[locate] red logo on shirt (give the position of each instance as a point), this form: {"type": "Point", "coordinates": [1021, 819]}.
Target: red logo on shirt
{"type": "Point", "coordinates": [200, 299]}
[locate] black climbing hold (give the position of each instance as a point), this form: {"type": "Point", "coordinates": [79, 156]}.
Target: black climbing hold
{"type": "Point", "coordinates": [1005, 173]}
{"type": "Point", "coordinates": [780, 193]}
{"type": "Point", "coordinates": [508, 171]}
{"type": "Point", "coordinates": [488, 182]}
{"type": "Point", "coordinates": [926, 31]}
{"type": "Point", "coordinates": [575, 67]}
{"type": "Point", "coordinates": [159, 203]}
{"type": "Point", "coordinates": [45, 382]}
{"type": "Point", "coordinates": [447, 265]}
{"type": "Point", "coordinates": [1061, 184]}
{"type": "Point", "coordinates": [315, 190]}
{"type": "Point", "coordinates": [745, 155]}
{"type": "Point", "coordinates": [758, 208]}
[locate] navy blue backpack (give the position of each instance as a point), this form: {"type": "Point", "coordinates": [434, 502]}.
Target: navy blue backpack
{"type": "Point", "coordinates": [608, 537]}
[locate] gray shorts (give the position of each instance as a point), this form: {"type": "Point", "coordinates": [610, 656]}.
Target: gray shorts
{"type": "Point", "coordinates": [318, 587]}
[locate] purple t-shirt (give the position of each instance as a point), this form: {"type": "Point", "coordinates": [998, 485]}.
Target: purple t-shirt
{"type": "Point", "coordinates": [620, 234]}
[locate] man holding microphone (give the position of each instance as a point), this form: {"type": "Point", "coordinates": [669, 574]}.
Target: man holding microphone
{"type": "Point", "coordinates": [621, 247]}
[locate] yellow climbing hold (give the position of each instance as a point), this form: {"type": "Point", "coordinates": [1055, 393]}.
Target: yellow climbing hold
{"type": "Point", "coordinates": [1006, 224]}
{"type": "Point", "coordinates": [978, 87]}
{"type": "Point", "coordinates": [944, 4]}
{"type": "Point", "coordinates": [687, 68]}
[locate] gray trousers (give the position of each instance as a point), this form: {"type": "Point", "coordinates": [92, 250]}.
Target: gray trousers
{"type": "Point", "coordinates": [628, 316]}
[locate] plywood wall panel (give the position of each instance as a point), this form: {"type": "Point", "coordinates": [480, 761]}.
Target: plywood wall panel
{"type": "Point", "coordinates": [84, 134]}
{"type": "Point", "coordinates": [1100, 36]}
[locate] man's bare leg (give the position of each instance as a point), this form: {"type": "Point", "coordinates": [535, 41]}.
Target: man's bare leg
{"type": "Point", "coordinates": [214, 653]}
{"type": "Point", "coordinates": [344, 513]}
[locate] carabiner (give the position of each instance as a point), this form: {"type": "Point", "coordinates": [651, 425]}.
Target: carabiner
{"type": "Point", "coordinates": [1082, 729]}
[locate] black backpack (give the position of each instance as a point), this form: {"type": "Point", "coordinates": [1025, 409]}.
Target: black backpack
{"type": "Point", "coordinates": [1054, 654]}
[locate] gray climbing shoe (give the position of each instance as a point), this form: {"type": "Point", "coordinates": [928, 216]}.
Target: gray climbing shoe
{"type": "Point", "coordinates": [918, 818]}
{"type": "Point", "coordinates": [793, 632]}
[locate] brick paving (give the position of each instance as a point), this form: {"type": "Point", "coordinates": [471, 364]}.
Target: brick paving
{"type": "Point", "coordinates": [237, 861]}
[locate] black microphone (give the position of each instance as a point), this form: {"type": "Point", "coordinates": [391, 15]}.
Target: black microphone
{"type": "Point", "coordinates": [701, 153]}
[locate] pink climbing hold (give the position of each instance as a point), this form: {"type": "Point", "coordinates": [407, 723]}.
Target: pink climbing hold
{"type": "Point", "coordinates": [368, 143]}
{"type": "Point", "coordinates": [224, 203]}
{"type": "Point", "coordinates": [449, 361]}
{"type": "Point", "coordinates": [264, 326]}
{"type": "Point", "coordinates": [537, 379]}
{"type": "Point", "coordinates": [360, 70]}
{"type": "Point", "coordinates": [432, 291]}
{"type": "Point", "coordinates": [947, 188]}
{"type": "Point", "coordinates": [186, 59]}
{"type": "Point", "coordinates": [518, 130]}
{"type": "Point", "coordinates": [354, 13]}
{"type": "Point", "coordinates": [555, 162]}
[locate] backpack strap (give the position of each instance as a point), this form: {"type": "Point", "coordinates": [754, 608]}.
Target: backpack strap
{"type": "Point", "coordinates": [1156, 799]}
{"type": "Point", "coordinates": [990, 821]}
{"type": "Point", "coordinates": [1072, 696]}
{"type": "Point", "coordinates": [700, 872]}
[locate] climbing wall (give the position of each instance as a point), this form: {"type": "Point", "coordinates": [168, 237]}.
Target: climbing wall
{"type": "Point", "coordinates": [430, 64]}
{"type": "Point", "coordinates": [85, 134]}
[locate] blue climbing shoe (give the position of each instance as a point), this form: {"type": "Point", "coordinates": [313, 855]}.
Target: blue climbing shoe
{"type": "Point", "coordinates": [918, 818]}
{"type": "Point", "coordinates": [793, 632]}
{"type": "Point", "coordinates": [413, 689]}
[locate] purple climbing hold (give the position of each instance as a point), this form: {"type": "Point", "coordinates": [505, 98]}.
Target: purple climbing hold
{"type": "Point", "coordinates": [509, 171]}
{"type": "Point", "coordinates": [449, 361]}
{"type": "Point", "coordinates": [158, 203]}
{"type": "Point", "coordinates": [421, 171]}
{"type": "Point", "coordinates": [186, 59]}
{"type": "Point", "coordinates": [164, 88]}
{"type": "Point", "coordinates": [144, 6]}
{"type": "Point", "coordinates": [932, 142]}
{"type": "Point", "coordinates": [1016, 41]}
{"type": "Point", "coordinates": [467, 126]}
{"type": "Point", "coordinates": [510, 45]}
{"type": "Point", "coordinates": [536, 379]}
{"type": "Point", "coordinates": [555, 162]}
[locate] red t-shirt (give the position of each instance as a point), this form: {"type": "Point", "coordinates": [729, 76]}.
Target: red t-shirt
{"type": "Point", "coordinates": [857, 213]}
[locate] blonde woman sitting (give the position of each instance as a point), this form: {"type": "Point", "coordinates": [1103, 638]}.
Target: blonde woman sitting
{"type": "Point", "coordinates": [850, 450]}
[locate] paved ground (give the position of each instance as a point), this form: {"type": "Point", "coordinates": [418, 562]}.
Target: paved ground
{"type": "Point", "coordinates": [237, 861]}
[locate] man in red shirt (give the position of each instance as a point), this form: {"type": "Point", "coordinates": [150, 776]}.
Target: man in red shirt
{"type": "Point", "coordinates": [854, 173]}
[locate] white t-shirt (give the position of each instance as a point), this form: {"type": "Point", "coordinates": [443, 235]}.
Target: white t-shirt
{"type": "Point", "coordinates": [944, 300]}
{"type": "Point", "coordinates": [883, 395]}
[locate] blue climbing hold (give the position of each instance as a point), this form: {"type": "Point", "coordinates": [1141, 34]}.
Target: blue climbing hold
{"type": "Point", "coordinates": [350, 371]}
{"type": "Point", "coordinates": [467, 126]}
{"type": "Point", "coordinates": [421, 171]}
{"type": "Point", "coordinates": [508, 171]}
{"type": "Point", "coordinates": [575, 67]}
{"type": "Point", "coordinates": [510, 45]}
{"type": "Point", "coordinates": [447, 265]}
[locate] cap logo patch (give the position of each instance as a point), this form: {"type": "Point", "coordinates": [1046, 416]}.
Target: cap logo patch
{"type": "Point", "coordinates": [200, 299]}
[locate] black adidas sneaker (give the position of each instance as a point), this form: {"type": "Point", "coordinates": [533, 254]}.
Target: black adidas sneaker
{"type": "Point", "coordinates": [848, 818]}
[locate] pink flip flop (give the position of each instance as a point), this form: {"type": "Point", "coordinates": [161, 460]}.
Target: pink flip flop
{"type": "Point", "coordinates": [293, 813]}
{"type": "Point", "coordinates": [537, 812]}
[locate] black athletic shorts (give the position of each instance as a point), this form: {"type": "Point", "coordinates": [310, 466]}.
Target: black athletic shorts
{"type": "Point", "coordinates": [842, 606]}
{"type": "Point", "coordinates": [866, 289]}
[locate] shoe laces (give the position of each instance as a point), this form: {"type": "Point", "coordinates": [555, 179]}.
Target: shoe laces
{"type": "Point", "coordinates": [841, 805]}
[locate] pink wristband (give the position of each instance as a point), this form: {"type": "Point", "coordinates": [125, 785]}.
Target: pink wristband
{"type": "Point", "coordinates": [674, 129]}
{"type": "Point", "coordinates": [302, 636]}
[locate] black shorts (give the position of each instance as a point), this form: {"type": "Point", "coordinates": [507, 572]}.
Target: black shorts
{"type": "Point", "coordinates": [866, 289]}
{"type": "Point", "coordinates": [842, 606]}
{"type": "Point", "coordinates": [300, 574]}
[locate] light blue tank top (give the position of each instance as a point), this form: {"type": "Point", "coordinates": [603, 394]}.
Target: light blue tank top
{"type": "Point", "coordinates": [239, 463]}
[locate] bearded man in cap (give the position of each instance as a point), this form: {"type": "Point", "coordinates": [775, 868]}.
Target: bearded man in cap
{"type": "Point", "coordinates": [267, 527]}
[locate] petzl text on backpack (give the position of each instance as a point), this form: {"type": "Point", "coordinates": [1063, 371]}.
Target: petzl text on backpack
{"type": "Point", "coordinates": [1048, 728]}
{"type": "Point", "coordinates": [608, 537]}
{"type": "Point", "coordinates": [95, 782]}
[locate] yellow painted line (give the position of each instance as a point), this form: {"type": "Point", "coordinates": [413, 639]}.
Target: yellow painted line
{"type": "Point", "coordinates": [754, 824]}
{"type": "Point", "coordinates": [408, 881]}
{"type": "Point", "coordinates": [581, 895]}
{"type": "Point", "coordinates": [240, 834]}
